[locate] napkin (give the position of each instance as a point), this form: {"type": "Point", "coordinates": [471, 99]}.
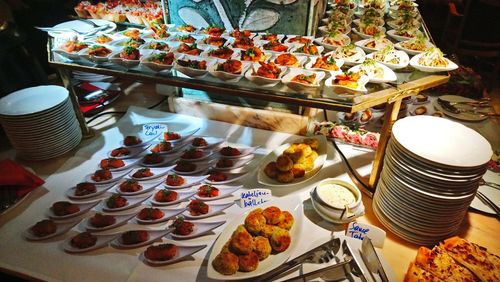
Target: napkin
{"type": "Point", "coordinates": [15, 176]}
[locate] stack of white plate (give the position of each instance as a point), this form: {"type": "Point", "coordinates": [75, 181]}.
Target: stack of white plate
{"type": "Point", "coordinates": [40, 122]}
{"type": "Point", "coordinates": [431, 172]}
{"type": "Point", "coordinates": [92, 77]}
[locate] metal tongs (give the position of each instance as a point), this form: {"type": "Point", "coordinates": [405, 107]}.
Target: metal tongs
{"type": "Point", "coordinates": [451, 107]}
{"type": "Point", "coordinates": [371, 259]}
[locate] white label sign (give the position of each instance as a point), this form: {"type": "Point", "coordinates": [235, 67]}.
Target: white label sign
{"type": "Point", "coordinates": [153, 129]}
{"type": "Point", "coordinates": [361, 230]}
{"type": "Point", "coordinates": [254, 197]}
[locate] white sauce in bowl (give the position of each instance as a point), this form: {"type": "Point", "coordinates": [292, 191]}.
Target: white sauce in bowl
{"type": "Point", "coordinates": [336, 195]}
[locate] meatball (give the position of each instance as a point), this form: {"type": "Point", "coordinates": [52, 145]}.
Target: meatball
{"type": "Point", "coordinates": [262, 247]}
{"type": "Point", "coordinates": [241, 242]}
{"type": "Point", "coordinates": [248, 262]}
{"type": "Point", "coordinates": [297, 151]}
{"type": "Point", "coordinates": [271, 170]}
{"type": "Point", "coordinates": [286, 221]}
{"type": "Point", "coordinates": [272, 214]}
{"type": "Point", "coordinates": [254, 222]}
{"type": "Point", "coordinates": [268, 230]}
{"type": "Point", "coordinates": [312, 142]}
{"type": "Point", "coordinates": [280, 240]}
{"type": "Point", "coordinates": [226, 263]}
{"type": "Point", "coordinates": [284, 163]}
{"type": "Point", "coordinates": [285, 177]}
{"type": "Point", "coordinates": [298, 171]}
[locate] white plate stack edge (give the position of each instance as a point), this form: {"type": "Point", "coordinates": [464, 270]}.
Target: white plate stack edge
{"type": "Point", "coordinates": [40, 122]}
{"type": "Point", "coordinates": [432, 168]}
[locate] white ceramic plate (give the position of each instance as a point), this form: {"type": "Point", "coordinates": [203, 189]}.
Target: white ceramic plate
{"type": "Point", "coordinates": [128, 163]}
{"type": "Point", "coordinates": [320, 41]}
{"type": "Point", "coordinates": [126, 63]}
{"type": "Point", "coordinates": [102, 241]}
{"type": "Point", "coordinates": [175, 147]}
{"type": "Point", "coordinates": [32, 100]}
{"type": "Point", "coordinates": [290, 37]}
{"type": "Point", "coordinates": [231, 177]}
{"type": "Point", "coordinates": [211, 142]}
{"type": "Point", "coordinates": [338, 88]}
{"type": "Point", "coordinates": [259, 37]}
{"type": "Point", "coordinates": [261, 44]}
{"type": "Point", "coordinates": [134, 151]}
{"type": "Point", "coordinates": [207, 53]}
{"type": "Point", "coordinates": [200, 228]}
{"type": "Point", "coordinates": [295, 50]}
{"type": "Point", "coordinates": [157, 172]}
{"type": "Point", "coordinates": [252, 76]}
{"type": "Point", "coordinates": [392, 33]}
{"type": "Point", "coordinates": [84, 207]}
{"type": "Point", "coordinates": [388, 76]}
{"type": "Point", "coordinates": [357, 58]}
{"type": "Point", "coordinates": [300, 60]}
{"type": "Point", "coordinates": [189, 181]}
{"type": "Point", "coordinates": [324, 30]}
{"type": "Point", "coordinates": [131, 203]}
{"type": "Point", "coordinates": [414, 63]}
{"type": "Point", "coordinates": [181, 197]}
{"type": "Point", "coordinates": [213, 209]}
{"type": "Point", "coordinates": [226, 76]}
{"type": "Point", "coordinates": [292, 205]}
{"type": "Point", "coordinates": [153, 236]}
{"type": "Point", "coordinates": [262, 178]}
{"type": "Point", "coordinates": [287, 79]}
{"type": "Point", "coordinates": [168, 214]}
{"type": "Point", "coordinates": [146, 60]}
{"type": "Point", "coordinates": [403, 60]}
{"type": "Point", "coordinates": [100, 189]}
{"type": "Point", "coordinates": [224, 191]}
{"type": "Point", "coordinates": [366, 36]}
{"type": "Point", "coordinates": [61, 228]}
{"type": "Point", "coordinates": [98, 59]}
{"type": "Point", "coordinates": [362, 44]}
{"type": "Point", "coordinates": [182, 253]}
{"type": "Point", "coordinates": [121, 219]}
{"type": "Point", "coordinates": [244, 151]}
{"type": "Point", "coordinates": [191, 72]}
{"type": "Point", "coordinates": [146, 186]}
{"type": "Point", "coordinates": [236, 163]}
{"type": "Point", "coordinates": [412, 52]}
{"type": "Point", "coordinates": [312, 61]}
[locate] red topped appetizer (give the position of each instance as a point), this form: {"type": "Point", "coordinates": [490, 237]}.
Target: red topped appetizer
{"type": "Point", "coordinates": [229, 151]}
{"type": "Point", "coordinates": [215, 41]}
{"type": "Point", "coordinates": [197, 208]}
{"type": "Point", "coordinates": [183, 166]}
{"type": "Point", "coordinates": [132, 140]}
{"type": "Point", "coordinates": [186, 28]}
{"type": "Point", "coordinates": [110, 163]}
{"type": "Point", "coordinates": [102, 175]}
{"type": "Point", "coordinates": [199, 142]}
{"type": "Point", "coordinates": [44, 228]}
{"type": "Point", "coordinates": [134, 42]}
{"type": "Point", "coordinates": [134, 237]}
{"type": "Point", "coordinates": [349, 79]}
{"type": "Point", "coordinates": [307, 48]}
{"type": "Point", "coordinates": [270, 70]}
{"type": "Point", "coordinates": [230, 66]}
{"type": "Point", "coordinates": [116, 201]}
{"type": "Point", "coordinates": [163, 146]}
{"type": "Point", "coordinates": [243, 43]}
{"type": "Point", "coordinates": [83, 240]}
{"type": "Point", "coordinates": [182, 227]}
{"type": "Point", "coordinates": [224, 163]}
{"type": "Point", "coordinates": [252, 54]}
{"type": "Point", "coordinates": [132, 33]}
{"type": "Point", "coordinates": [62, 208]}
{"type": "Point", "coordinates": [143, 172]}
{"type": "Point", "coordinates": [193, 154]}
{"type": "Point", "coordinates": [153, 158]}
{"type": "Point", "coordinates": [189, 49]}
{"type": "Point", "coordinates": [175, 180]}
{"type": "Point", "coordinates": [101, 220]}
{"type": "Point", "coordinates": [157, 45]}
{"type": "Point", "coordinates": [150, 214]}
{"type": "Point", "coordinates": [269, 37]}
{"type": "Point", "coordinates": [287, 60]}
{"type": "Point", "coordinates": [98, 51]}
{"type": "Point", "coordinates": [170, 135]}
{"type": "Point", "coordinates": [120, 152]}
{"type": "Point", "coordinates": [72, 46]}
{"type": "Point", "coordinates": [103, 38]}
{"type": "Point", "coordinates": [161, 252]}
{"type": "Point", "coordinates": [165, 196]}
{"type": "Point", "coordinates": [223, 52]}
{"type": "Point", "coordinates": [217, 176]}
{"type": "Point", "coordinates": [238, 33]}
{"type": "Point", "coordinates": [130, 53]}
{"type": "Point", "coordinates": [326, 62]}
{"type": "Point", "coordinates": [159, 30]}
{"type": "Point", "coordinates": [275, 46]}
{"type": "Point", "coordinates": [214, 30]}
{"type": "Point", "coordinates": [85, 188]}
{"type": "Point", "coordinates": [163, 58]}
{"type": "Point", "coordinates": [299, 39]}
{"type": "Point", "coordinates": [208, 191]}
{"type": "Point", "coordinates": [304, 79]}
{"type": "Point", "coordinates": [194, 64]}
{"type": "Point", "coordinates": [130, 185]}
{"type": "Point", "coordinates": [186, 39]}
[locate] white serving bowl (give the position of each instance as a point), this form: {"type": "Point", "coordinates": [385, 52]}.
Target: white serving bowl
{"type": "Point", "coordinates": [337, 213]}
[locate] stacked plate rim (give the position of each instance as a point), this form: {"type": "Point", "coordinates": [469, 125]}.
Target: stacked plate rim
{"type": "Point", "coordinates": [432, 168]}
{"type": "Point", "coordinates": [40, 122]}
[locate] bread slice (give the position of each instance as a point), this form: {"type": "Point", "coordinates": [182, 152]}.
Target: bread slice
{"type": "Point", "coordinates": [477, 259]}
{"type": "Point", "coordinates": [442, 265]}
{"type": "Point", "coordinates": [417, 274]}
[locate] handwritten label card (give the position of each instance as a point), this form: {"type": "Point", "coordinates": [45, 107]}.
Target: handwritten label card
{"type": "Point", "coordinates": [254, 197]}
{"type": "Point", "coordinates": [361, 230]}
{"type": "Point", "coordinates": [153, 129]}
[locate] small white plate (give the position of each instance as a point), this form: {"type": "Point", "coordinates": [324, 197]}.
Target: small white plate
{"type": "Point", "coordinates": [126, 63]}
{"type": "Point", "coordinates": [199, 167]}
{"type": "Point", "coordinates": [324, 30]}
{"type": "Point", "coordinates": [236, 163]}
{"type": "Point", "coordinates": [131, 203]}
{"type": "Point", "coordinates": [320, 41]}
{"type": "Point", "coordinates": [181, 196]}
{"type": "Point", "coordinates": [157, 172]}
{"type": "Point", "coordinates": [388, 74]}
{"type": "Point", "coordinates": [395, 24]}
{"type": "Point", "coordinates": [362, 44]}
{"type": "Point", "coordinates": [357, 57]}
{"type": "Point", "coordinates": [291, 37]}
{"type": "Point", "coordinates": [392, 33]}
{"type": "Point", "coordinates": [261, 44]}
{"type": "Point", "coordinates": [226, 76]}
{"type": "Point", "coordinates": [410, 51]}
{"type": "Point", "coordinates": [189, 181]}
{"type": "Point", "coordinates": [403, 60]}
{"type": "Point", "coordinates": [208, 53]}
{"type": "Point", "coordinates": [287, 79]}
{"type": "Point", "coordinates": [200, 228]}
{"type": "Point", "coordinates": [252, 76]}
{"type": "Point", "coordinates": [61, 228]}
{"type": "Point", "coordinates": [152, 234]}
{"type": "Point", "coordinates": [230, 177]}
{"type": "Point", "coordinates": [211, 142]}
{"type": "Point", "coordinates": [168, 214]}
{"type": "Point", "coordinates": [224, 191]}
{"type": "Point", "coordinates": [300, 60]}
{"type": "Point", "coordinates": [70, 55]}
{"type": "Point", "coordinates": [295, 50]}
{"type": "Point", "coordinates": [146, 186]}
{"type": "Point", "coordinates": [128, 163]}
{"type": "Point", "coordinates": [84, 207]}
{"type": "Point", "coordinates": [134, 151]}
{"type": "Point", "coordinates": [166, 159]}
{"type": "Point", "coordinates": [97, 59]}
{"type": "Point", "coordinates": [192, 72]}
{"type": "Point", "coordinates": [338, 62]}
{"type": "Point", "coordinates": [154, 44]}
{"type": "Point", "coordinates": [414, 63]}
{"type": "Point", "coordinates": [244, 151]}
{"type": "Point", "coordinates": [213, 209]}
{"type": "Point", "coordinates": [260, 37]}
{"type": "Point", "coordinates": [182, 253]}
{"type": "Point", "coordinates": [102, 241]}
{"type": "Point", "coordinates": [366, 36]}
{"type": "Point", "coordinates": [120, 220]}
{"type": "Point", "coordinates": [339, 88]}
{"type": "Point", "coordinates": [100, 189]}
{"type": "Point", "coordinates": [147, 60]}
{"type": "Point", "coordinates": [184, 135]}
{"type": "Point", "coordinates": [206, 154]}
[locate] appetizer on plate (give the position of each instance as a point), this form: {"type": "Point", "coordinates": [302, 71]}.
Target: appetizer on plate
{"type": "Point", "coordinates": [219, 177]}
{"type": "Point", "coordinates": [222, 52]}
{"type": "Point", "coordinates": [333, 40]}
{"type": "Point", "coordinates": [149, 172]}
{"type": "Point", "coordinates": [269, 70]}
{"type": "Point", "coordinates": [308, 49]}
{"type": "Point", "coordinates": [199, 209]}
{"type": "Point", "coordinates": [230, 66]}
{"type": "Point", "coordinates": [415, 45]}
{"type": "Point", "coordinates": [206, 142]}
{"type": "Point", "coordinates": [369, 30]}
{"type": "Point", "coordinates": [120, 152]}
{"type": "Point", "coordinates": [86, 241]}
{"type": "Point", "coordinates": [189, 49]}
{"type": "Point", "coordinates": [191, 66]}
{"type": "Point", "coordinates": [186, 38]}
{"type": "Point", "coordinates": [394, 59]}
{"type": "Point", "coordinates": [194, 154]}
{"type": "Point", "coordinates": [299, 39]}
{"type": "Point", "coordinates": [275, 46]}
{"type": "Point", "coordinates": [157, 45]}
{"type": "Point", "coordinates": [159, 30]}
{"type": "Point", "coordinates": [376, 72]}
{"type": "Point", "coordinates": [48, 228]}
{"type": "Point", "coordinates": [186, 28]}
{"type": "Point", "coordinates": [84, 190]}
{"type": "Point", "coordinates": [350, 54]}
{"type": "Point", "coordinates": [65, 209]}
{"type": "Point", "coordinates": [132, 33]}
{"type": "Point", "coordinates": [326, 62]}
{"type": "Point", "coordinates": [169, 253]}
{"type": "Point", "coordinates": [432, 60]}
{"type": "Point", "coordinates": [186, 230]}
{"type": "Point", "coordinates": [102, 175]}
{"type": "Point", "coordinates": [241, 33]}
{"type": "Point", "coordinates": [111, 163]}
{"type": "Point", "coordinates": [243, 43]}
{"type": "Point", "coordinates": [213, 30]}
{"type": "Point", "coordinates": [98, 51]}
{"type": "Point", "coordinates": [155, 215]}
{"type": "Point", "coordinates": [301, 79]}
{"type": "Point", "coordinates": [269, 37]}
{"type": "Point", "coordinates": [253, 54]}
{"type": "Point", "coordinates": [162, 58]}
{"type": "Point", "coordinates": [73, 46]}
{"type": "Point", "coordinates": [175, 181]}
{"type": "Point", "coordinates": [288, 60]}
{"type": "Point", "coordinates": [131, 141]}
{"type": "Point", "coordinates": [352, 82]}
{"type": "Point", "coordinates": [378, 42]}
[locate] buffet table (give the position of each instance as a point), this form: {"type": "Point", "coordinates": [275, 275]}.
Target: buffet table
{"type": "Point", "coordinates": [46, 260]}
